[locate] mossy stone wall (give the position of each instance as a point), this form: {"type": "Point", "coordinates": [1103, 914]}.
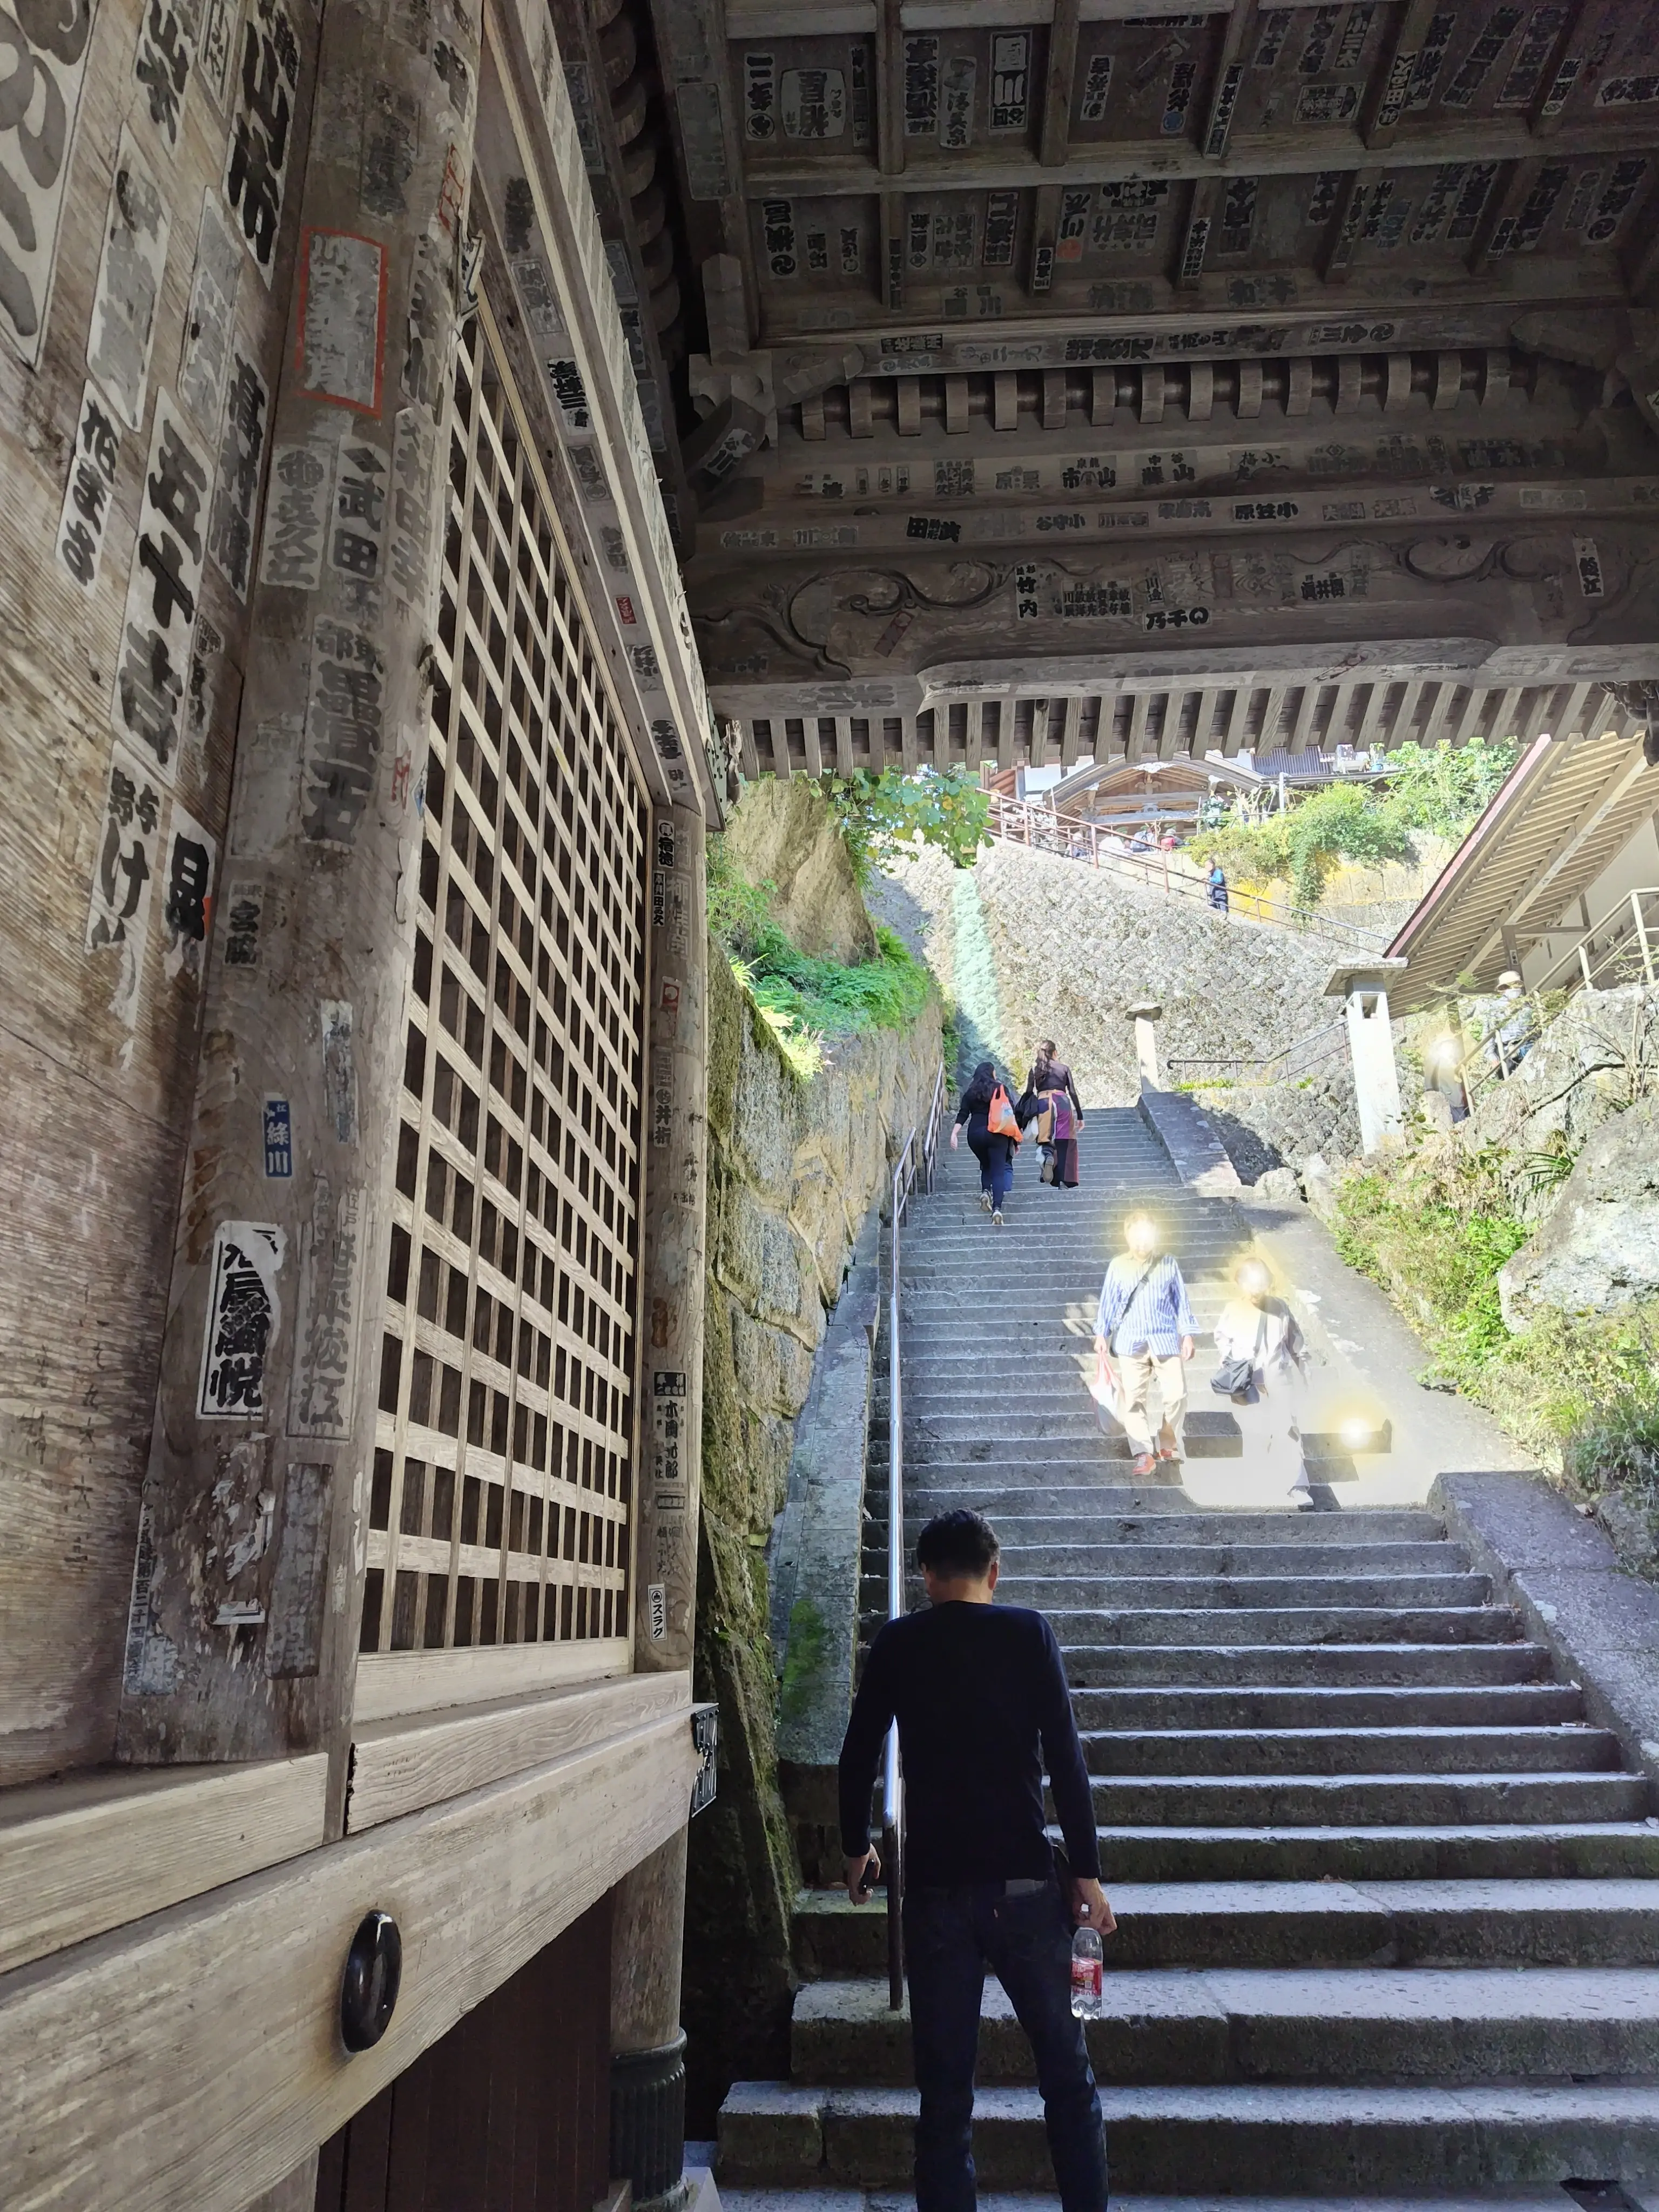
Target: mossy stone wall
{"type": "Point", "coordinates": [793, 1171]}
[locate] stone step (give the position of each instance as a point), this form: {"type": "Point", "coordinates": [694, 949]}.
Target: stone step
{"type": "Point", "coordinates": [1573, 1748]}
{"type": "Point", "coordinates": [1023, 1561]}
{"type": "Point", "coordinates": [1537, 1851]}
{"type": "Point", "coordinates": [1243, 1593]}
{"type": "Point", "coordinates": [1342, 2141]}
{"type": "Point", "coordinates": [1105, 1518]}
{"type": "Point", "coordinates": [1376, 1666]}
{"type": "Point", "coordinates": [829, 2199]}
{"type": "Point", "coordinates": [1081, 1451]}
{"type": "Point", "coordinates": [1583, 1923]}
{"type": "Point", "coordinates": [1503, 1705]}
{"type": "Point", "coordinates": [1195, 2025]}
{"type": "Point", "coordinates": [1351, 1800]}
{"type": "Point", "coordinates": [1318, 1625]}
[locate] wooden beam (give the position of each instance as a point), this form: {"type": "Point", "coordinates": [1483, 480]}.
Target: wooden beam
{"type": "Point", "coordinates": [1045, 227]}
{"type": "Point", "coordinates": [1169, 735]}
{"type": "Point", "coordinates": [1241, 30]}
{"type": "Point", "coordinates": [1071, 734]}
{"type": "Point", "coordinates": [1055, 134]}
{"type": "Point", "coordinates": [1238, 716]}
{"type": "Point", "coordinates": [1054, 400]}
{"type": "Point", "coordinates": [844, 745]}
{"type": "Point", "coordinates": [1202, 739]}
{"type": "Point", "coordinates": [890, 88]}
{"type": "Point", "coordinates": [976, 749]}
{"type": "Point", "coordinates": [1304, 715]}
{"type": "Point", "coordinates": [909, 743]}
{"type": "Point", "coordinates": [194, 2059]}
{"type": "Point", "coordinates": [1568, 66]}
{"type": "Point", "coordinates": [1502, 207]}
{"type": "Point", "coordinates": [1140, 702]}
{"type": "Point", "coordinates": [810, 739]}
{"type": "Point", "coordinates": [956, 404]}
{"type": "Point", "coordinates": [1282, 152]}
{"type": "Point", "coordinates": [397, 1766]}
{"type": "Point", "coordinates": [892, 252]}
{"type": "Point", "coordinates": [1189, 273]}
{"type": "Point", "coordinates": [1465, 721]}
{"type": "Point", "coordinates": [1272, 714]}
{"type": "Point", "coordinates": [90, 1852]}
{"type": "Point", "coordinates": [1385, 105]}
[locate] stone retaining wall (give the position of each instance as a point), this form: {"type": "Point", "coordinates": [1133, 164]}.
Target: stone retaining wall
{"type": "Point", "coordinates": [793, 1171]}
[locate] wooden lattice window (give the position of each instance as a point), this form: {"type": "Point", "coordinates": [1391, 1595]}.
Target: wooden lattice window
{"type": "Point", "coordinates": [501, 1504]}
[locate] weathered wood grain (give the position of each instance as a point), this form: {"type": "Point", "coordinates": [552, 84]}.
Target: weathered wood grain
{"type": "Point", "coordinates": [96, 1850]}
{"type": "Point", "coordinates": [390, 1683]}
{"type": "Point", "coordinates": [194, 2060]}
{"type": "Point", "coordinates": [399, 1765]}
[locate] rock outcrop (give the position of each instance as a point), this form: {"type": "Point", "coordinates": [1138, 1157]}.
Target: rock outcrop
{"type": "Point", "coordinates": [1598, 1247]}
{"type": "Point", "coordinates": [785, 835]}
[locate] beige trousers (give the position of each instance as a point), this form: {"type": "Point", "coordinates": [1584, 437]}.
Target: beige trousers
{"type": "Point", "coordinates": [1136, 1373]}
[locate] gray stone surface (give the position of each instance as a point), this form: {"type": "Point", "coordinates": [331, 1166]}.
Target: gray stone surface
{"type": "Point", "coordinates": [1195, 1152]}
{"type": "Point", "coordinates": [1562, 1574]}
{"type": "Point", "coordinates": [1597, 1248]}
{"type": "Point", "coordinates": [784, 834]}
{"type": "Point", "coordinates": [813, 1559]}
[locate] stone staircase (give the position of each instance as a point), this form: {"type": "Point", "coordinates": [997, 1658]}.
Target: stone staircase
{"type": "Point", "coordinates": [1388, 1925]}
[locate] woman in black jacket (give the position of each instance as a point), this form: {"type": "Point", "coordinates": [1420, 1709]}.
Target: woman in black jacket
{"type": "Point", "coordinates": [1050, 1081]}
{"type": "Point", "coordinates": [995, 1154]}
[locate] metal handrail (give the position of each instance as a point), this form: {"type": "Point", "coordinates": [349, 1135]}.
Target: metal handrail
{"type": "Point", "coordinates": [1018, 822]}
{"type": "Point", "coordinates": [915, 1163]}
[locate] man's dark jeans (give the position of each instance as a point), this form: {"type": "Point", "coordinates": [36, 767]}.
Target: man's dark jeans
{"type": "Point", "coordinates": [951, 1937]}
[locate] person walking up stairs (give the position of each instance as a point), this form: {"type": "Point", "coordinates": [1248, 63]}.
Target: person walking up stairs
{"type": "Point", "coordinates": [1387, 1898]}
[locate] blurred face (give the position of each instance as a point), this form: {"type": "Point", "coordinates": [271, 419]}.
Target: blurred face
{"type": "Point", "coordinates": [1253, 1281]}
{"type": "Point", "coordinates": [1141, 1237]}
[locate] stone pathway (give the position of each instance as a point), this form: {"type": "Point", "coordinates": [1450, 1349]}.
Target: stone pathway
{"type": "Point", "coordinates": [1388, 1925]}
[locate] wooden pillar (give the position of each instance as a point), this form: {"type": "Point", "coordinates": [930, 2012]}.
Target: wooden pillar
{"type": "Point", "coordinates": [648, 2074]}
{"type": "Point", "coordinates": [242, 1628]}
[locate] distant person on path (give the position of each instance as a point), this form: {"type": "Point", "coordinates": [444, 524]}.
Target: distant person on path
{"type": "Point", "coordinates": [1144, 1334]}
{"type": "Point", "coordinates": [1217, 887]}
{"type": "Point", "coordinates": [993, 1150]}
{"type": "Point", "coordinates": [1054, 1096]}
{"type": "Point", "coordinates": [979, 1692]}
{"type": "Point", "coordinates": [1515, 1035]}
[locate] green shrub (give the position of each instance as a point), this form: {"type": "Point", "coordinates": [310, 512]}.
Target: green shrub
{"type": "Point", "coordinates": [880, 816]}
{"type": "Point", "coordinates": [887, 993]}
{"type": "Point", "coordinates": [1434, 789]}
{"type": "Point", "coordinates": [1581, 1391]}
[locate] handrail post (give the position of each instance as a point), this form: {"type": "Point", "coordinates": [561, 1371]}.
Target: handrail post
{"type": "Point", "coordinates": [1642, 935]}
{"type": "Point", "coordinates": [892, 1825]}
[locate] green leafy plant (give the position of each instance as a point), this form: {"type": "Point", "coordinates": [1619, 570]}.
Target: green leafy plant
{"type": "Point", "coordinates": [738, 910]}
{"type": "Point", "coordinates": [881, 817]}
{"type": "Point", "coordinates": [1436, 790]}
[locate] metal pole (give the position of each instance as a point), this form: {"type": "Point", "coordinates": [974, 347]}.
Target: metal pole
{"type": "Point", "coordinates": [893, 1826]}
{"type": "Point", "coordinates": [1642, 935]}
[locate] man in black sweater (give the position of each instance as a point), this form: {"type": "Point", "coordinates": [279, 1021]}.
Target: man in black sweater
{"type": "Point", "coordinates": [975, 1688]}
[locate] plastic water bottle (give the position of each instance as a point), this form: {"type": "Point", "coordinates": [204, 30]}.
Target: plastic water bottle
{"type": "Point", "coordinates": [1088, 1968]}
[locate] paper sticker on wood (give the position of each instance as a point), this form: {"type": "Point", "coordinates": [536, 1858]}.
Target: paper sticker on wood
{"type": "Point", "coordinates": [46, 60]}
{"type": "Point", "coordinates": [299, 1587]}
{"type": "Point", "coordinates": [244, 1314]}
{"type": "Point", "coordinates": [187, 897]}
{"type": "Point", "coordinates": [242, 457]}
{"type": "Point", "coordinates": [163, 589]}
{"type": "Point", "coordinates": [297, 514]}
{"type": "Point", "coordinates": [123, 874]}
{"type": "Point", "coordinates": [210, 319]}
{"type": "Point", "coordinates": [320, 1402]}
{"type": "Point", "coordinates": [344, 719]}
{"type": "Point", "coordinates": [122, 331]}
{"type": "Point", "coordinates": [166, 47]}
{"type": "Point", "coordinates": [214, 55]}
{"type": "Point", "coordinates": [91, 483]}
{"type": "Point", "coordinates": [338, 352]}
{"type": "Point", "coordinates": [262, 129]}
